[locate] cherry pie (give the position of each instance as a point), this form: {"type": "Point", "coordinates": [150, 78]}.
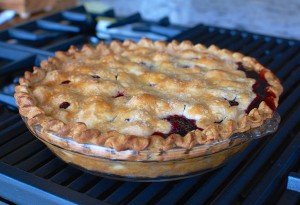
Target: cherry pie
{"type": "Point", "coordinates": [148, 95]}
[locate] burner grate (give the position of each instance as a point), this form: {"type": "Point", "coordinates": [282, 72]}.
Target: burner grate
{"type": "Point", "coordinates": [30, 172]}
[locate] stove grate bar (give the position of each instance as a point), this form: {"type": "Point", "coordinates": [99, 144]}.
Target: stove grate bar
{"type": "Point", "coordinates": [22, 188]}
{"type": "Point", "coordinates": [262, 192]}
{"type": "Point", "coordinates": [227, 196]}
{"type": "Point", "coordinates": [20, 154]}
{"type": "Point", "coordinates": [31, 166]}
{"type": "Point", "coordinates": [294, 181]}
{"type": "Point", "coordinates": [37, 160]}
{"type": "Point", "coordinates": [51, 168]}
{"type": "Point", "coordinates": [14, 144]}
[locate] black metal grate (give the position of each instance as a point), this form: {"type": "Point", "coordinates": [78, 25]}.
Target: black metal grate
{"type": "Point", "coordinates": [29, 172]}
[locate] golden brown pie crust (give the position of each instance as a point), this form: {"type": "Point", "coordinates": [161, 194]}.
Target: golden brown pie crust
{"type": "Point", "coordinates": [86, 79]}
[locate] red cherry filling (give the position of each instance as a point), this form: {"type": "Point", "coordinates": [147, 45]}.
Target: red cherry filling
{"type": "Point", "coordinates": [259, 88]}
{"type": "Point", "coordinates": [180, 125]}
{"type": "Point", "coordinates": [64, 105]}
{"type": "Point", "coordinates": [119, 94]}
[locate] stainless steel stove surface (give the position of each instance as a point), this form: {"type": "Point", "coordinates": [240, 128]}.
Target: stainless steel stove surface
{"type": "Point", "coordinates": [266, 172]}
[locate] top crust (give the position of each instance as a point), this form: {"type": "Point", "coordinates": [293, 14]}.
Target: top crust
{"type": "Point", "coordinates": [119, 95]}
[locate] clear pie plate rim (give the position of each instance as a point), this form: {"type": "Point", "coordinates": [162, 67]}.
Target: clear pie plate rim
{"type": "Point", "coordinates": [269, 126]}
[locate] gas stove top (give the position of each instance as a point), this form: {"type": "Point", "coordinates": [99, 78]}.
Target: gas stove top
{"type": "Point", "coordinates": [267, 172]}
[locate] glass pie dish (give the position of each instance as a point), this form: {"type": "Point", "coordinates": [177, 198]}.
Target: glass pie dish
{"type": "Point", "coordinates": [148, 165]}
